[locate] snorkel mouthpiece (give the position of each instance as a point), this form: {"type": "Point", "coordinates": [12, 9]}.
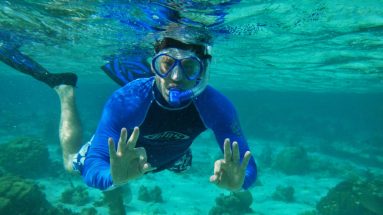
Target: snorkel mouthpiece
{"type": "Point", "coordinates": [176, 96]}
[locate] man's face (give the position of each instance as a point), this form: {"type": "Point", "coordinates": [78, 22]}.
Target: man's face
{"type": "Point", "coordinates": [176, 77]}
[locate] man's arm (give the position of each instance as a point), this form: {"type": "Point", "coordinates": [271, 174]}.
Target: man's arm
{"type": "Point", "coordinates": [229, 138]}
{"type": "Point", "coordinates": [219, 114]}
{"type": "Point", "coordinates": [125, 109]}
{"type": "Point", "coordinates": [96, 171]}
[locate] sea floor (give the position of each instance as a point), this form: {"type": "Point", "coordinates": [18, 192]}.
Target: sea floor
{"type": "Point", "coordinates": [192, 193]}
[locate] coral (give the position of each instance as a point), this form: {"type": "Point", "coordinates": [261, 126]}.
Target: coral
{"type": "Point", "coordinates": [353, 197]}
{"type": "Point", "coordinates": [20, 196]}
{"type": "Point", "coordinates": [88, 211]}
{"type": "Point", "coordinates": [156, 194]}
{"type": "Point", "coordinates": [59, 210]}
{"type": "Point", "coordinates": [16, 193]}
{"type": "Point", "coordinates": [154, 209]}
{"type": "Point", "coordinates": [115, 201]}
{"type": "Point", "coordinates": [292, 160]}
{"type": "Point", "coordinates": [75, 195]}
{"type": "Point", "coordinates": [233, 204]}
{"type": "Point", "coordinates": [153, 195]}
{"type": "Point", "coordinates": [25, 156]}
{"type": "Point", "coordinates": [143, 194]}
{"type": "Point", "coordinates": [285, 194]}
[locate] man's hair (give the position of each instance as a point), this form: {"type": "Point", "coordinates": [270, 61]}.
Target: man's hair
{"type": "Point", "coordinates": [196, 39]}
{"type": "Point", "coordinates": [200, 50]}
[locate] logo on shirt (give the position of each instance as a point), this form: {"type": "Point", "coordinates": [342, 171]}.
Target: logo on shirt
{"type": "Point", "coordinates": [167, 136]}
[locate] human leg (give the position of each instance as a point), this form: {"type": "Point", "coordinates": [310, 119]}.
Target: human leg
{"type": "Point", "coordinates": [63, 83]}
{"type": "Point", "coordinates": [70, 129]}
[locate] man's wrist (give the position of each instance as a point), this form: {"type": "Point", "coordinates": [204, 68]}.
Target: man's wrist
{"type": "Point", "coordinates": [116, 185]}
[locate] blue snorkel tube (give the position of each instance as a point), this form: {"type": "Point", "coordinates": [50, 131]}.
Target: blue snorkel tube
{"type": "Point", "coordinates": [176, 96]}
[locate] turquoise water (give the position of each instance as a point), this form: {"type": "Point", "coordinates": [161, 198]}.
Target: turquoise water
{"type": "Point", "coordinates": [302, 75]}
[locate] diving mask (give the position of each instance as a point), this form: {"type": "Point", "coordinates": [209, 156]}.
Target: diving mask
{"type": "Point", "coordinates": [166, 61]}
{"type": "Point", "coordinates": [169, 59]}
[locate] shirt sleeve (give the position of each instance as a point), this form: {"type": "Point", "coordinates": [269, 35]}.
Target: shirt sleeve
{"type": "Point", "coordinates": [125, 108]}
{"type": "Point", "coordinates": [219, 114]}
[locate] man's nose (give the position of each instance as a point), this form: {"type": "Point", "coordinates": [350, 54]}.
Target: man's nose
{"type": "Point", "coordinates": [176, 74]}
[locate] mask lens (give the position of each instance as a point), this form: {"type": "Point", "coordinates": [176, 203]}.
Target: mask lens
{"type": "Point", "coordinates": [163, 64]}
{"type": "Point", "coordinates": [191, 67]}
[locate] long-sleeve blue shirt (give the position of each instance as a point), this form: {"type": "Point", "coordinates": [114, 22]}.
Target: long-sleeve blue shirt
{"type": "Point", "coordinates": [165, 133]}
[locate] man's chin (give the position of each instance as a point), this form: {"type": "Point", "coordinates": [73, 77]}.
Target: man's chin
{"type": "Point", "coordinates": [165, 96]}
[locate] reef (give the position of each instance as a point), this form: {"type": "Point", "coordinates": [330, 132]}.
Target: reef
{"type": "Point", "coordinates": [76, 195]}
{"type": "Point", "coordinates": [285, 194]}
{"type": "Point", "coordinates": [21, 196]}
{"type": "Point", "coordinates": [292, 160]}
{"type": "Point", "coordinates": [235, 203]}
{"type": "Point", "coordinates": [152, 195]}
{"type": "Point", "coordinates": [353, 197]}
{"type": "Point", "coordinates": [25, 156]}
{"type": "Point", "coordinates": [88, 211]}
{"type": "Point", "coordinates": [114, 199]}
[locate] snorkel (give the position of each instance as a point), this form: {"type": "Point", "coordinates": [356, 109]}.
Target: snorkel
{"type": "Point", "coordinates": [176, 96]}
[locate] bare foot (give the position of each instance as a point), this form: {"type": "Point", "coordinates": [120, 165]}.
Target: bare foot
{"type": "Point", "coordinates": [65, 92]}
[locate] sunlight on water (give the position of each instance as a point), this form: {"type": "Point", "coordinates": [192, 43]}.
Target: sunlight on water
{"type": "Point", "coordinates": [279, 45]}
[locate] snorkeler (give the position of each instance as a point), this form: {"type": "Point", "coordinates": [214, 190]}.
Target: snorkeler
{"type": "Point", "coordinates": [149, 124]}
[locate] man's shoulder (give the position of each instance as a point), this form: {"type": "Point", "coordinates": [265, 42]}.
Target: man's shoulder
{"type": "Point", "coordinates": [215, 108]}
{"type": "Point", "coordinates": [213, 96]}
{"type": "Point", "coordinates": [138, 87]}
{"type": "Point", "coordinates": [214, 101]}
{"type": "Point", "coordinates": [136, 91]}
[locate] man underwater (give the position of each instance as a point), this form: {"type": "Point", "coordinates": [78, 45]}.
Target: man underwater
{"type": "Point", "coordinates": [149, 124]}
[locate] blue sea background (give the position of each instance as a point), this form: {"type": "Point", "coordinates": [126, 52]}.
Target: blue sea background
{"type": "Point", "coordinates": [306, 74]}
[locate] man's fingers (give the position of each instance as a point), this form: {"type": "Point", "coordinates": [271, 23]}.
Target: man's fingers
{"type": "Point", "coordinates": [227, 150]}
{"type": "Point", "coordinates": [246, 159]}
{"type": "Point", "coordinates": [122, 141]}
{"type": "Point", "coordinates": [218, 167]}
{"type": "Point", "coordinates": [141, 154]}
{"type": "Point", "coordinates": [147, 168]}
{"type": "Point", "coordinates": [133, 138]}
{"type": "Point", "coordinates": [112, 151]}
{"type": "Point", "coordinates": [235, 152]}
{"type": "Point", "coordinates": [214, 179]}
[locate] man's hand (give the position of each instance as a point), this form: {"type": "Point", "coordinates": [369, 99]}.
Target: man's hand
{"type": "Point", "coordinates": [127, 162]}
{"type": "Point", "coordinates": [229, 173]}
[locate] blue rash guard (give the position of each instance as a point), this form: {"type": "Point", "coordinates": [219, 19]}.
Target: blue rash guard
{"type": "Point", "coordinates": [165, 134]}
